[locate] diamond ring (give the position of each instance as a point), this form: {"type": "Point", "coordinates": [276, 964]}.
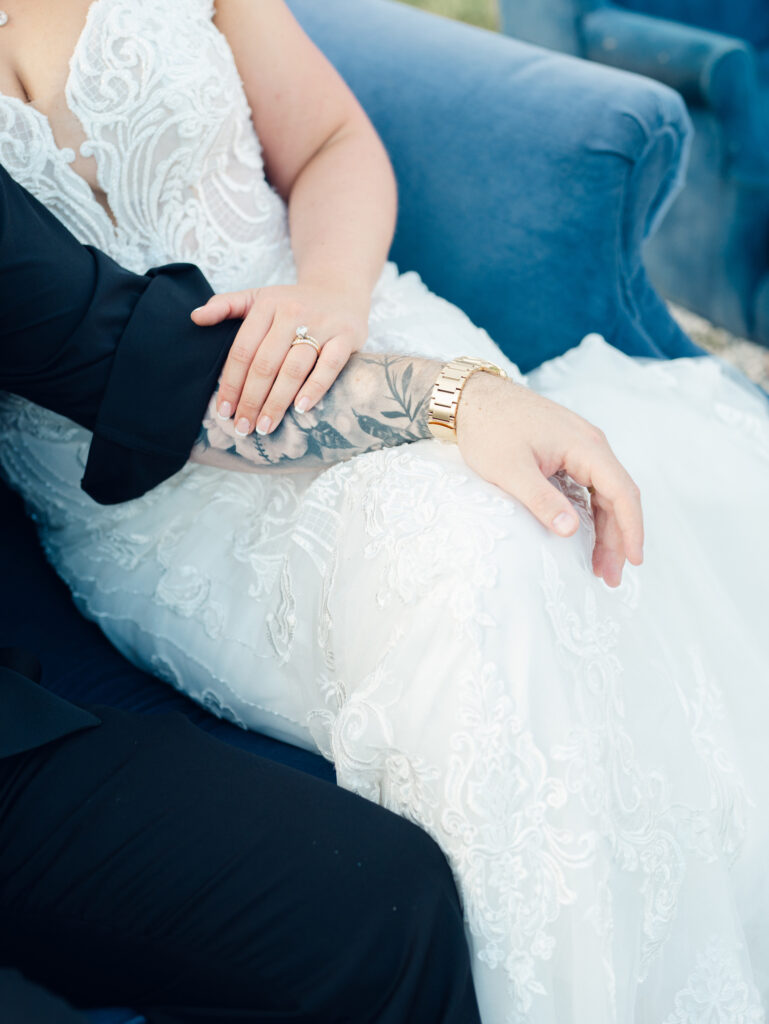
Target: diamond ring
{"type": "Point", "coordinates": [303, 337]}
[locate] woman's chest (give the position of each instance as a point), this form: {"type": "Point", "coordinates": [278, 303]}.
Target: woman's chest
{"type": "Point", "coordinates": [138, 100]}
{"type": "Point", "coordinates": [36, 45]}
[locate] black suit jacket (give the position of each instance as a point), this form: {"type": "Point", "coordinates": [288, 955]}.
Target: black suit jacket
{"type": "Point", "coordinates": [117, 353]}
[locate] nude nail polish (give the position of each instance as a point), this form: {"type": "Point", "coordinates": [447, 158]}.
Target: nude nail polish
{"type": "Point", "coordinates": [563, 523]}
{"type": "Point", "coordinates": [242, 428]}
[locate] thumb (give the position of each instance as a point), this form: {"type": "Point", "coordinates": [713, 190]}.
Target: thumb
{"type": "Point", "coordinates": [226, 306]}
{"type": "Point", "coordinates": [546, 502]}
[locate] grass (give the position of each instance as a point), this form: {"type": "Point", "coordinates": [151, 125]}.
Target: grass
{"type": "Point", "coordinates": [477, 12]}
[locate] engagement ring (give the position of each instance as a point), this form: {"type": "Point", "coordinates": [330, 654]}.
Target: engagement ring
{"type": "Point", "coordinates": [303, 337]}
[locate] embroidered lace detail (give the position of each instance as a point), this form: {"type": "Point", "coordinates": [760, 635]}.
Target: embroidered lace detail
{"type": "Point", "coordinates": [426, 515]}
{"type": "Point", "coordinates": [716, 991]}
{"type": "Point", "coordinates": [30, 155]}
{"type": "Point", "coordinates": [487, 795]}
{"type": "Point", "coordinates": [499, 827]}
{"type": "Point", "coordinates": [703, 705]}
{"type": "Point", "coordinates": [281, 624]}
{"type": "Point", "coordinates": [647, 828]}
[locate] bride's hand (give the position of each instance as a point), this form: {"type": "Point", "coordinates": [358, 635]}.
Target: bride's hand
{"type": "Point", "coordinates": [516, 439]}
{"type": "Point", "coordinates": [263, 374]}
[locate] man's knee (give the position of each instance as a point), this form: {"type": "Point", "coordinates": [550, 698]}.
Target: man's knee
{"type": "Point", "coordinates": [418, 963]}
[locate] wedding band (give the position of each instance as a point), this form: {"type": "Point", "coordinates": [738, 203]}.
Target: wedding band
{"type": "Point", "coordinates": [302, 337]}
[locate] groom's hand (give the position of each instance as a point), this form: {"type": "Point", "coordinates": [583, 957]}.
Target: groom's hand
{"type": "Point", "coordinates": [515, 438]}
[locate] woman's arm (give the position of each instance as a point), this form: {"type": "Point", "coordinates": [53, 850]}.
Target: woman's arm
{"type": "Point", "coordinates": [324, 157]}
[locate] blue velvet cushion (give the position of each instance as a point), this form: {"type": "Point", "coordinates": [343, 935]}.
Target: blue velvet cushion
{"type": "Point", "coordinates": [748, 19]}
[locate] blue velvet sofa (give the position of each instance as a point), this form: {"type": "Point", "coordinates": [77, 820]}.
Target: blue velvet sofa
{"type": "Point", "coordinates": [712, 253]}
{"type": "Point", "coordinates": [528, 182]}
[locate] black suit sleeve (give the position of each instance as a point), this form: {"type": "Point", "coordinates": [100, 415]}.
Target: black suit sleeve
{"type": "Point", "coordinates": [114, 351]}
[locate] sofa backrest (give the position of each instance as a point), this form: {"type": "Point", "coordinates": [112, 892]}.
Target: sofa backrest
{"type": "Point", "coordinates": [748, 19]}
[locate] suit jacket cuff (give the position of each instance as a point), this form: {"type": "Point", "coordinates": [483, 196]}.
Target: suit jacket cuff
{"type": "Point", "coordinates": [163, 373]}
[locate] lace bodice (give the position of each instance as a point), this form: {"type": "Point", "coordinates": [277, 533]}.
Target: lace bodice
{"type": "Point", "coordinates": [164, 116]}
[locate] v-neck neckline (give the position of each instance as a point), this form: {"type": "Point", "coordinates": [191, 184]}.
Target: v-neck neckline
{"type": "Point", "coordinates": [62, 152]}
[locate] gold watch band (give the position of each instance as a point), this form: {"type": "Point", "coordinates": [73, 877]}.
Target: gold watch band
{"type": "Point", "coordinates": [447, 390]}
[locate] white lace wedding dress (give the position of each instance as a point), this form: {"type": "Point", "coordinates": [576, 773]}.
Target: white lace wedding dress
{"type": "Point", "coordinates": [594, 762]}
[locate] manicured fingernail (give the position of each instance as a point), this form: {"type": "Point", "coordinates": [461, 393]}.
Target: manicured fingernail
{"type": "Point", "coordinates": [563, 523]}
{"type": "Point", "coordinates": [303, 404]}
{"type": "Point", "coordinates": [225, 411]}
{"type": "Point", "coordinates": [242, 427]}
{"type": "Point", "coordinates": [197, 309]}
{"type": "Point", "coordinates": [263, 425]}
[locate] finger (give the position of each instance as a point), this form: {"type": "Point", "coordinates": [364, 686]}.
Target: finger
{"type": "Point", "coordinates": [261, 375]}
{"type": "Point", "coordinates": [225, 306]}
{"type": "Point", "coordinates": [609, 551]}
{"type": "Point", "coordinates": [552, 508]}
{"type": "Point", "coordinates": [629, 513]}
{"type": "Point", "coordinates": [615, 485]}
{"type": "Point", "coordinates": [293, 373]}
{"type": "Point", "coordinates": [252, 333]}
{"type": "Point", "coordinates": [332, 360]}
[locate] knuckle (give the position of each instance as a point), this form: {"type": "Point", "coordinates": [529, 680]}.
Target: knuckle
{"type": "Point", "coordinates": [264, 365]}
{"type": "Point", "coordinates": [349, 328]}
{"type": "Point", "coordinates": [273, 409]}
{"type": "Point", "coordinates": [334, 361]}
{"type": "Point", "coordinates": [247, 407]}
{"type": "Point", "coordinates": [251, 399]}
{"type": "Point", "coordinates": [314, 388]}
{"type": "Point", "coordinates": [293, 310]}
{"type": "Point", "coordinates": [295, 370]}
{"type": "Point", "coordinates": [540, 503]}
{"type": "Point", "coordinates": [241, 354]}
{"type": "Point", "coordinates": [228, 389]}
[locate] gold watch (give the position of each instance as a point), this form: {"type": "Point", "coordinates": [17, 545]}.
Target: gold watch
{"type": "Point", "coordinates": [447, 391]}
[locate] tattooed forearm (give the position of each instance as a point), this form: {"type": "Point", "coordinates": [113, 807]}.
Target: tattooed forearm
{"type": "Point", "coordinates": [378, 401]}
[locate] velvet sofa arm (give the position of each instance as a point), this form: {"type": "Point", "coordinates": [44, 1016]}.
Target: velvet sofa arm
{"type": "Point", "coordinates": [707, 68]}
{"type": "Point", "coordinates": [527, 180]}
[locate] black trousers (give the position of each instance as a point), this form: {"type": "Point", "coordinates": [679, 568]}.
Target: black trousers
{"type": "Point", "coordinates": [146, 864]}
